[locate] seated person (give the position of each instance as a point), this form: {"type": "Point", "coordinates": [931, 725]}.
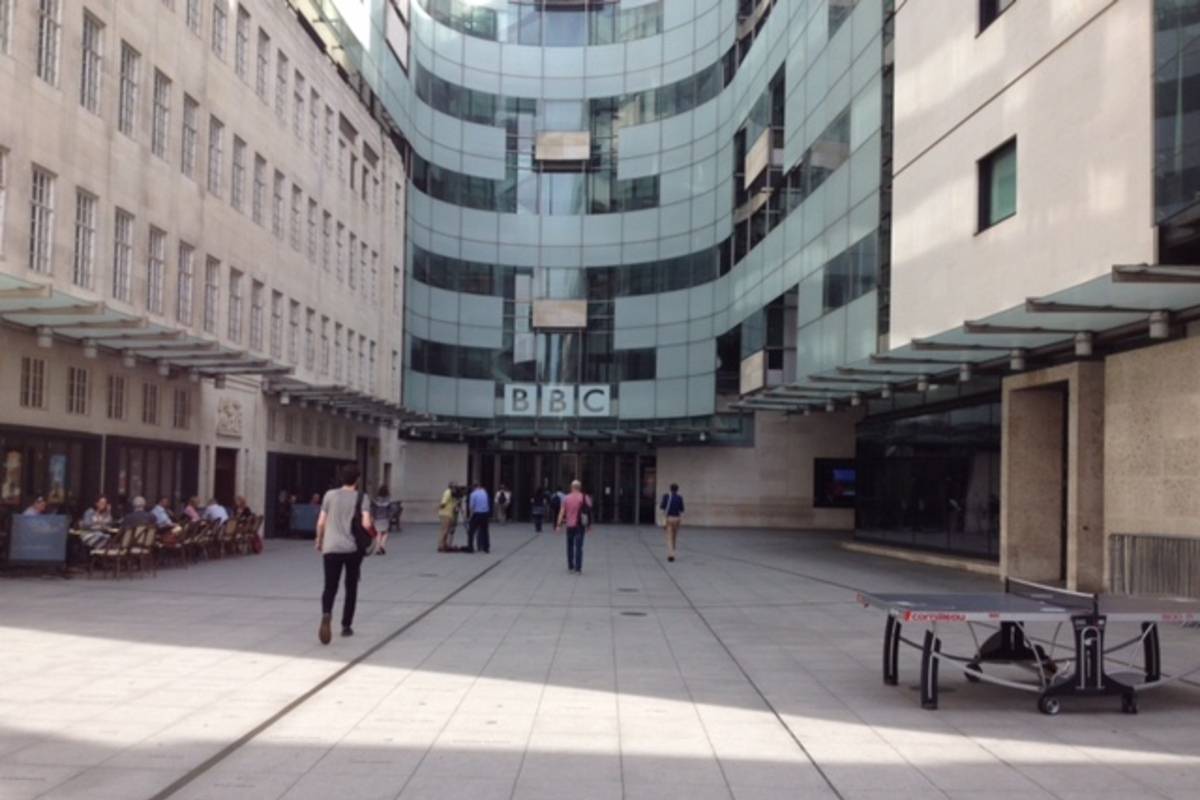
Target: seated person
{"type": "Point", "coordinates": [162, 519]}
{"type": "Point", "coordinates": [96, 521]}
{"type": "Point", "coordinates": [98, 517]}
{"type": "Point", "coordinates": [192, 509]}
{"type": "Point", "coordinates": [215, 512]}
{"type": "Point", "coordinates": [38, 506]}
{"type": "Point", "coordinates": [139, 516]}
{"type": "Point", "coordinates": [241, 511]}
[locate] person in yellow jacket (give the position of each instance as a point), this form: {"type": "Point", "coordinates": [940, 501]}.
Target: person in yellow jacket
{"type": "Point", "coordinates": [447, 513]}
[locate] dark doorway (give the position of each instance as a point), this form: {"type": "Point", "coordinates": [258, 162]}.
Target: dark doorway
{"type": "Point", "coordinates": [225, 475]}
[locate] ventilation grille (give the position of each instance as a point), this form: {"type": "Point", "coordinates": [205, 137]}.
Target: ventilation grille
{"type": "Point", "coordinates": [1154, 565]}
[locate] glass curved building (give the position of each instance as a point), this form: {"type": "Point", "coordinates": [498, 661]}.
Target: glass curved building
{"type": "Point", "coordinates": [623, 215]}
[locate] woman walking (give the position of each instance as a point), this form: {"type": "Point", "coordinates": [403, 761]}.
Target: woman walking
{"type": "Point", "coordinates": [339, 549]}
{"type": "Point", "coordinates": [381, 510]}
{"type": "Point", "coordinates": [537, 508]}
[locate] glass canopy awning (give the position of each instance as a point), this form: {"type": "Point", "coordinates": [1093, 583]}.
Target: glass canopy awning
{"type": "Point", "coordinates": [57, 315]}
{"type": "Point", "coordinates": [1133, 305]}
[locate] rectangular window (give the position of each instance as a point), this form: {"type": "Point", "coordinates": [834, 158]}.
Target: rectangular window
{"type": "Point", "coordinates": [351, 273]}
{"type": "Point", "coordinates": [337, 264]}
{"type": "Point", "coordinates": [328, 154]}
{"type": "Point", "coordinates": [276, 325]}
{"type": "Point", "coordinates": [298, 89]}
{"type": "Point", "coordinates": [187, 150]}
{"type": "Point", "coordinates": [241, 44]}
{"type": "Point", "coordinates": [78, 390]}
{"type": "Point", "coordinates": [314, 117]}
{"type": "Point", "coordinates": [257, 290]}
{"type": "Point", "coordinates": [212, 285]}
{"type": "Point", "coordinates": [263, 66]}
{"type": "Point", "coordinates": [33, 382]}
{"type": "Point", "coordinates": [156, 272]}
{"type": "Point", "coordinates": [998, 185]}
{"type": "Point", "coordinates": [84, 262]}
{"type": "Point", "coordinates": [235, 306]}
{"type": "Point", "coordinates": [150, 403]}
{"type": "Point", "coordinates": [337, 351]}
{"type": "Point", "coordinates": [3, 192]}
{"type": "Point", "coordinates": [194, 16]}
{"type": "Point", "coordinates": [989, 10]}
{"type": "Point", "coordinates": [216, 154]}
{"type": "Point", "coordinates": [91, 64]}
{"type": "Point", "coordinates": [294, 333]}
{"type": "Point", "coordinates": [122, 254]}
{"type": "Point", "coordinates": [161, 119]}
{"type": "Point", "coordinates": [219, 31]}
{"type": "Point", "coordinates": [237, 183]}
{"type": "Point", "coordinates": [312, 231]}
{"type": "Point", "coordinates": [326, 235]}
{"type": "Point", "coordinates": [310, 339]}
{"type": "Point", "coordinates": [187, 271]}
{"type": "Point", "coordinates": [182, 416]}
{"type": "Point", "coordinates": [116, 397]}
{"type": "Point", "coordinates": [297, 203]}
{"type": "Point", "coordinates": [41, 222]}
{"type": "Point", "coordinates": [127, 101]}
{"type": "Point", "coordinates": [397, 291]}
{"type": "Point", "coordinates": [281, 86]}
{"type": "Point", "coordinates": [277, 206]}
{"type": "Point", "coordinates": [324, 355]}
{"type": "Point", "coordinates": [260, 189]}
{"type": "Point", "coordinates": [49, 29]}
{"type": "Point", "coordinates": [6, 12]}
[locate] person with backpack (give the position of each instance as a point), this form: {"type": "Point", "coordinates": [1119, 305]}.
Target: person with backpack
{"type": "Point", "coordinates": [340, 548]}
{"type": "Point", "coordinates": [672, 508]}
{"type": "Point", "coordinates": [576, 515]}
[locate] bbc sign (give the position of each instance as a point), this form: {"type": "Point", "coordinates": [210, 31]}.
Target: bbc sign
{"type": "Point", "coordinates": [557, 400]}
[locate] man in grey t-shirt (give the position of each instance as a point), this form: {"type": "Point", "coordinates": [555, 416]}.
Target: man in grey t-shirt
{"type": "Point", "coordinates": [335, 542]}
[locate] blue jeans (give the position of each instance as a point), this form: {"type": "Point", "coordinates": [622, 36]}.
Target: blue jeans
{"type": "Point", "coordinates": [575, 547]}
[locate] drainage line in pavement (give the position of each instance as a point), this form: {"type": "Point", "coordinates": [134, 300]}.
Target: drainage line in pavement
{"type": "Point", "coordinates": [762, 695]}
{"type": "Point", "coordinates": [247, 737]}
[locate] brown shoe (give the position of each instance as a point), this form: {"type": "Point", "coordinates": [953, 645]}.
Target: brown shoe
{"type": "Point", "coordinates": [324, 633]}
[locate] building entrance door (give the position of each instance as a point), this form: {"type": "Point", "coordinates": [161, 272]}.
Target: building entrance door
{"type": "Point", "coordinates": [611, 478]}
{"type": "Point", "coordinates": [225, 475]}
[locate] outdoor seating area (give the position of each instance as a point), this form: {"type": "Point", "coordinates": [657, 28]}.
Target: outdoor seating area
{"type": "Point", "coordinates": [142, 550]}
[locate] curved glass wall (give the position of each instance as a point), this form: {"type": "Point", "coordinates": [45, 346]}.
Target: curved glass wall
{"type": "Point", "coordinates": [533, 23]}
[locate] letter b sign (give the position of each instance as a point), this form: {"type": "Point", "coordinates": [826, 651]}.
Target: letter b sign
{"type": "Point", "coordinates": [558, 400]}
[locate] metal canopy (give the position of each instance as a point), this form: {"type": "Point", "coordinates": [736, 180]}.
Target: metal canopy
{"type": "Point", "coordinates": [1120, 305]}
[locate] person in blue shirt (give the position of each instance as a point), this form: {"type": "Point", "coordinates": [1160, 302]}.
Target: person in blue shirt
{"type": "Point", "coordinates": [672, 506]}
{"type": "Point", "coordinates": [480, 507]}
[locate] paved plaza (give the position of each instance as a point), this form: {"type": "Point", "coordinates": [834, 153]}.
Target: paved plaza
{"type": "Point", "coordinates": [745, 670]}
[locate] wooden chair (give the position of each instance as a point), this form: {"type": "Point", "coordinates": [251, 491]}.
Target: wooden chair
{"type": "Point", "coordinates": [172, 546]}
{"type": "Point", "coordinates": [144, 549]}
{"type": "Point", "coordinates": [114, 555]}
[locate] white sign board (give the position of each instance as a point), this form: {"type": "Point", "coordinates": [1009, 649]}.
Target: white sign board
{"type": "Point", "coordinates": [557, 400]}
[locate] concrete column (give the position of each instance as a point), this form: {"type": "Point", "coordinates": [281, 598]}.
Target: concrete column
{"type": "Point", "coordinates": [1031, 469]}
{"type": "Point", "coordinates": [1032, 491]}
{"type": "Point", "coordinates": [1085, 485]}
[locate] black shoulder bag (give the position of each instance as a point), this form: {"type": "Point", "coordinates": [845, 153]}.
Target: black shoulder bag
{"type": "Point", "coordinates": [362, 539]}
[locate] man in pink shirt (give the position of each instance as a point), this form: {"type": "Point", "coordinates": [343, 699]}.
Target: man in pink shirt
{"type": "Point", "coordinates": [576, 514]}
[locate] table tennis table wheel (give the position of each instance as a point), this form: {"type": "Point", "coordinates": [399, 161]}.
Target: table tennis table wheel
{"type": "Point", "coordinates": [1049, 705]}
{"type": "Point", "coordinates": [1129, 703]}
{"type": "Point", "coordinates": [972, 668]}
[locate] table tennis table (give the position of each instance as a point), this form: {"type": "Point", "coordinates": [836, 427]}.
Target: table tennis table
{"type": "Point", "coordinates": [1006, 614]}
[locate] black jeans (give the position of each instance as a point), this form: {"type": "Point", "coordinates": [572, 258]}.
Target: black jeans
{"type": "Point", "coordinates": [477, 532]}
{"type": "Point", "coordinates": [575, 547]}
{"type": "Point", "coordinates": [538, 516]}
{"type": "Point", "coordinates": [333, 573]}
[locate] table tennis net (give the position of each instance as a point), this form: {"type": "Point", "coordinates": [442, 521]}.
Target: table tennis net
{"type": "Point", "coordinates": [1053, 595]}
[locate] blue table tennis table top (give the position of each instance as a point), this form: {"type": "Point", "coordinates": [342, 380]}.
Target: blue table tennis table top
{"type": "Point", "coordinates": [1051, 607]}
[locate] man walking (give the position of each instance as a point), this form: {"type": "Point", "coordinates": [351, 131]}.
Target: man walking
{"type": "Point", "coordinates": [477, 531]}
{"type": "Point", "coordinates": [335, 542]}
{"type": "Point", "coordinates": [672, 506]}
{"type": "Point", "coordinates": [576, 514]}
